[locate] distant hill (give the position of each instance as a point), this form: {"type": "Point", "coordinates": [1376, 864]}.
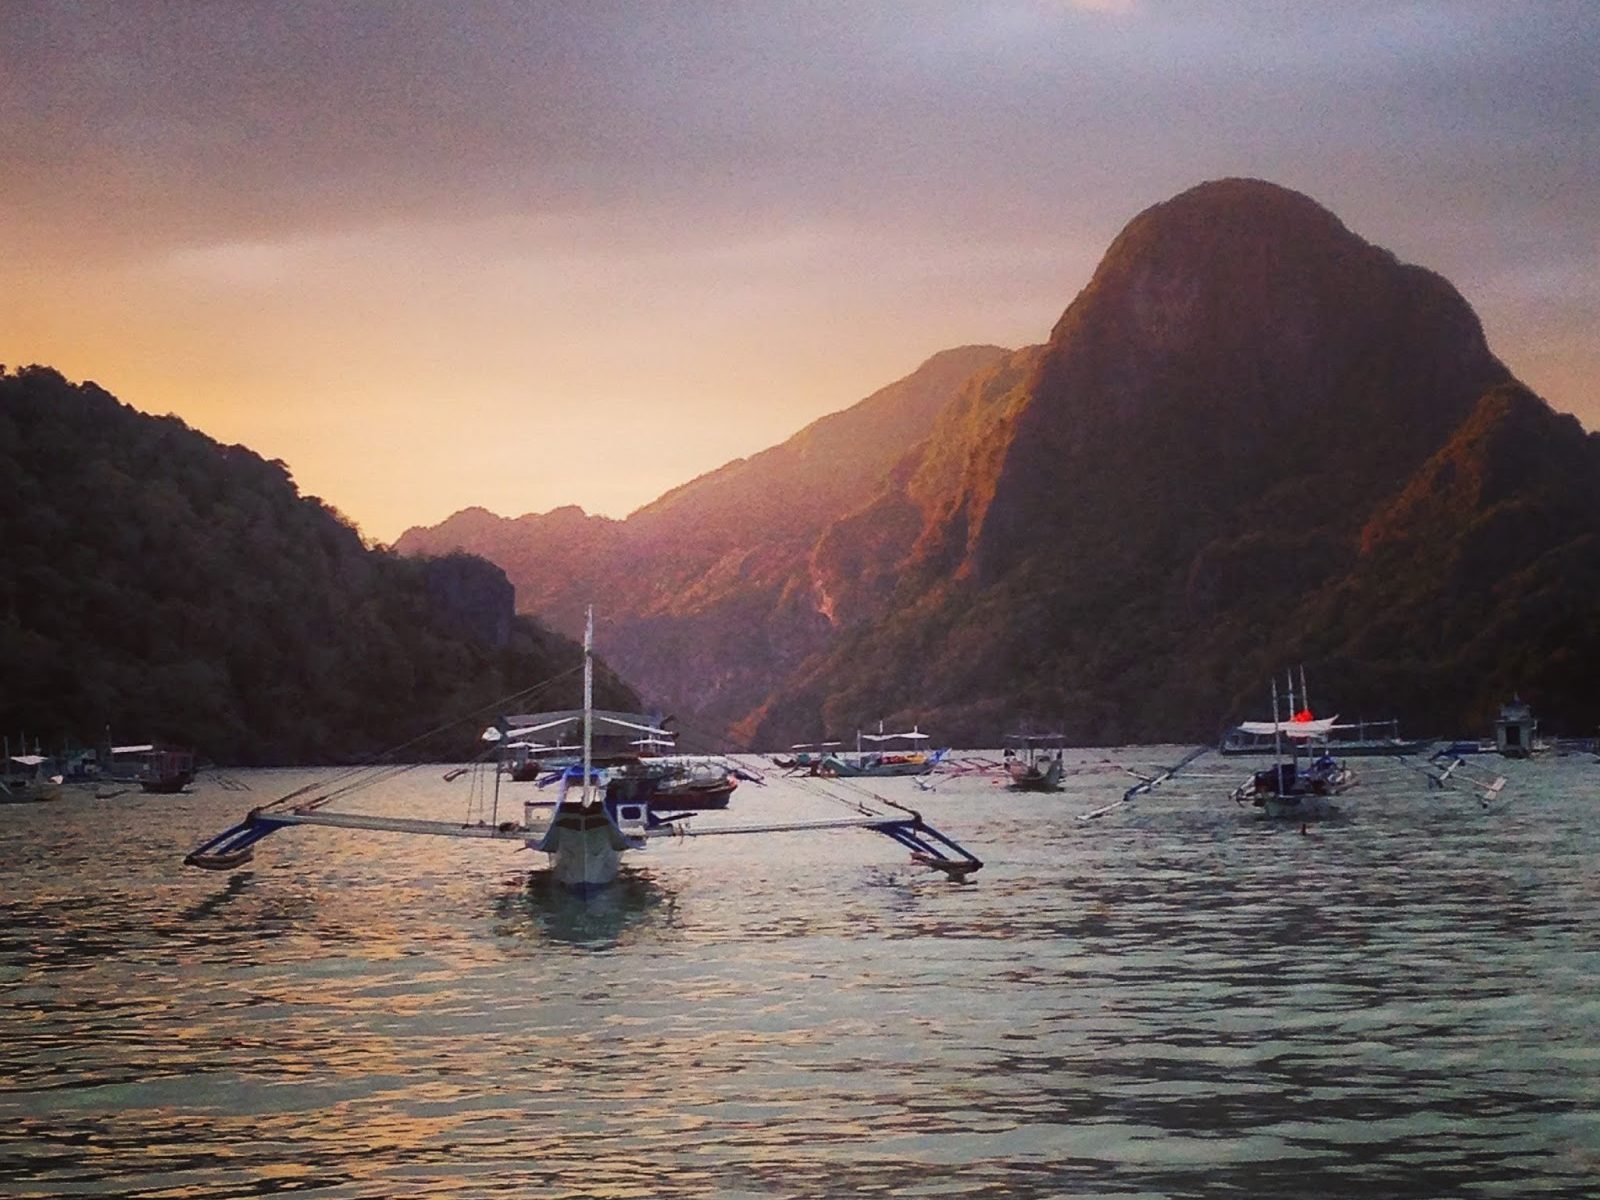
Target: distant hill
{"type": "Point", "coordinates": [1254, 440]}
{"type": "Point", "coordinates": [158, 585]}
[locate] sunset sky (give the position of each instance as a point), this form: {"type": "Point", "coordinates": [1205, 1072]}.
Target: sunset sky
{"type": "Point", "coordinates": [524, 255]}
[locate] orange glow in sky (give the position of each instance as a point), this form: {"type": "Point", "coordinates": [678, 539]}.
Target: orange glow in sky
{"type": "Point", "coordinates": [523, 255]}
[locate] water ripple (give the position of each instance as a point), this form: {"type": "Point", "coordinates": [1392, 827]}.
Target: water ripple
{"type": "Point", "coordinates": [1173, 1001]}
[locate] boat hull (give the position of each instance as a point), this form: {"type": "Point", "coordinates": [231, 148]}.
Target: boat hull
{"type": "Point", "coordinates": [692, 799]}
{"type": "Point", "coordinates": [585, 854]}
{"type": "Point", "coordinates": [844, 769]}
{"type": "Point", "coordinates": [29, 791]}
{"type": "Point", "coordinates": [1033, 779]}
{"type": "Point", "coordinates": [169, 786]}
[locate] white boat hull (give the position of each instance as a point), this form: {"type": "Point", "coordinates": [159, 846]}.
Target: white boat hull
{"type": "Point", "coordinates": [585, 846]}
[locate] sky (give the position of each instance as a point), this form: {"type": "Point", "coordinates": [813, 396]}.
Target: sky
{"type": "Point", "coordinates": [521, 255]}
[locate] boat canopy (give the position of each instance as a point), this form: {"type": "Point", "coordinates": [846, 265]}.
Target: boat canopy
{"type": "Point", "coordinates": [915, 734]}
{"type": "Point", "coordinates": [525, 725]}
{"type": "Point", "coordinates": [29, 760]}
{"type": "Point", "coordinates": [1294, 729]}
{"type": "Point", "coordinates": [145, 749]}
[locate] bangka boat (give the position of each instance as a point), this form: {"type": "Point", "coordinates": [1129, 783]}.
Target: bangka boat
{"type": "Point", "coordinates": [166, 771]}
{"type": "Point", "coordinates": [25, 778]}
{"type": "Point", "coordinates": [693, 783]}
{"type": "Point", "coordinates": [1033, 761]}
{"type": "Point", "coordinates": [884, 759]}
{"type": "Point", "coordinates": [160, 770]}
{"type": "Point", "coordinates": [602, 811]}
{"type": "Point", "coordinates": [1290, 789]}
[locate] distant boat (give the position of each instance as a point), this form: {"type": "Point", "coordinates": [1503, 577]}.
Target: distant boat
{"type": "Point", "coordinates": [1515, 730]}
{"type": "Point", "coordinates": [692, 783]}
{"type": "Point", "coordinates": [160, 770]}
{"type": "Point", "coordinates": [166, 771]}
{"type": "Point", "coordinates": [884, 759]}
{"type": "Point", "coordinates": [1291, 789]}
{"type": "Point", "coordinates": [25, 778]}
{"type": "Point", "coordinates": [681, 782]}
{"type": "Point", "coordinates": [1033, 761]}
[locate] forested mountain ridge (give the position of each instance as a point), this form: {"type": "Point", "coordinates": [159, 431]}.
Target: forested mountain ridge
{"type": "Point", "coordinates": [159, 585]}
{"type": "Point", "coordinates": [1191, 489]}
{"type": "Point", "coordinates": [1253, 440]}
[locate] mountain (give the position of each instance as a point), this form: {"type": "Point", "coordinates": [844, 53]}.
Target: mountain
{"type": "Point", "coordinates": [1253, 440]}
{"type": "Point", "coordinates": [159, 585]}
{"type": "Point", "coordinates": [704, 592]}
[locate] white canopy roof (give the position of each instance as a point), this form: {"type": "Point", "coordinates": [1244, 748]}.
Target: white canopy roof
{"type": "Point", "coordinates": [1294, 729]}
{"type": "Point", "coordinates": [526, 724]}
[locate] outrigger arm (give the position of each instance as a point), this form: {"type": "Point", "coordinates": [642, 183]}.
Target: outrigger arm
{"type": "Point", "coordinates": [928, 845]}
{"type": "Point", "coordinates": [234, 847]}
{"type": "Point", "coordinates": [1147, 783]}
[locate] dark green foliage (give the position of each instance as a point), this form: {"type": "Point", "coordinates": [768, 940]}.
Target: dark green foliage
{"type": "Point", "coordinates": [159, 586]}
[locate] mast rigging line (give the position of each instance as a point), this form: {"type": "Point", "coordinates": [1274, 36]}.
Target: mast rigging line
{"type": "Point", "coordinates": [378, 769]}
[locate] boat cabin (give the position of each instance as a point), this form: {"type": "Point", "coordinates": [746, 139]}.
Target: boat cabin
{"type": "Point", "coordinates": [1515, 729]}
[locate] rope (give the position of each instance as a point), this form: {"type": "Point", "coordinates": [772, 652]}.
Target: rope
{"type": "Point", "coordinates": [377, 770]}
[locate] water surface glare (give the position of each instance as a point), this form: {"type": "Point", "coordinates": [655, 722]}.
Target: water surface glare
{"type": "Point", "coordinates": [1173, 1000]}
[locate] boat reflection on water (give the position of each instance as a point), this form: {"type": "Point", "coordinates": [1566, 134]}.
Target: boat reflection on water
{"type": "Point", "coordinates": [543, 909]}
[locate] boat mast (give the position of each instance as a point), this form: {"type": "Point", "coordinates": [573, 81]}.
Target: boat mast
{"type": "Point", "coordinates": [588, 700]}
{"type": "Point", "coordinates": [1277, 737]}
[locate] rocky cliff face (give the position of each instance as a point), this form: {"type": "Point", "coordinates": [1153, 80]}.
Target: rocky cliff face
{"type": "Point", "coordinates": [1253, 439]}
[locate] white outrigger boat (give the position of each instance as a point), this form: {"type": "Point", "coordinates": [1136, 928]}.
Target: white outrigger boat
{"type": "Point", "coordinates": [883, 759]}
{"type": "Point", "coordinates": [601, 812]}
{"type": "Point", "coordinates": [1288, 789]}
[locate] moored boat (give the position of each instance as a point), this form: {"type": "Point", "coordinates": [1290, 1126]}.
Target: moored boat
{"type": "Point", "coordinates": [1033, 761]}
{"type": "Point", "coordinates": [884, 759]}
{"type": "Point", "coordinates": [26, 778]}
{"type": "Point", "coordinates": [166, 771]}
{"type": "Point", "coordinates": [601, 812]}
{"type": "Point", "coordinates": [1515, 729]}
{"type": "Point", "coordinates": [1290, 789]}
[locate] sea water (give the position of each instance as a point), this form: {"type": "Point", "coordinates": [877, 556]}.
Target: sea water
{"type": "Point", "coordinates": [1175, 999]}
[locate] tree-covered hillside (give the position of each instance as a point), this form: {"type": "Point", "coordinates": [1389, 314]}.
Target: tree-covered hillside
{"type": "Point", "coordinates": [159, 585]}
